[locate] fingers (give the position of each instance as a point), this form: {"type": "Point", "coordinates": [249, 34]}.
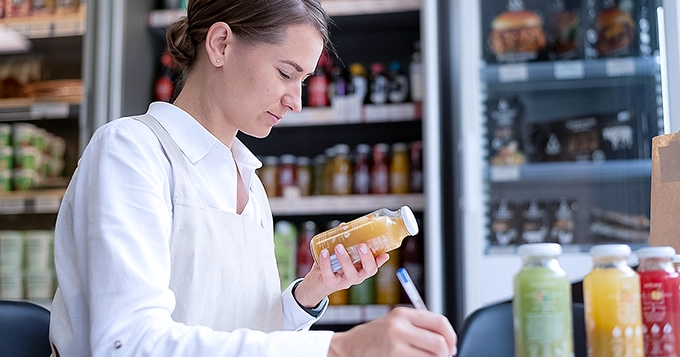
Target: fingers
{"type": "Point", "coordinates": [368, 261]}
{"type": "Point", "coordinates": [345, 260]}
{"type": "Point", "coordinates": [325, 265]}
{"type": "Point", "coordinates": [435, 332]}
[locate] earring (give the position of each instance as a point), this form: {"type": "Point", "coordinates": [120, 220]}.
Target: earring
{"type": "Point", "coordinates": [217, 60]}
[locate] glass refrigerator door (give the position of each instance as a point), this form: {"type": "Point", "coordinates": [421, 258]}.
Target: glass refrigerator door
{"type": "Point", "coordinates": [569, 97]}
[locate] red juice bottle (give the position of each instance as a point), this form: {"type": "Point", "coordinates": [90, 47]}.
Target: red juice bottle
{"type": "Point", "coordinates": [304, 253]}
{"type": "Point", "coordinates": [660, 297]}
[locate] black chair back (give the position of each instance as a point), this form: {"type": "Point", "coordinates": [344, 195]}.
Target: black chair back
{"type": "Point", "coordinates": [24, 329]}
{"type": "Point", "coordinates": [488, 332]}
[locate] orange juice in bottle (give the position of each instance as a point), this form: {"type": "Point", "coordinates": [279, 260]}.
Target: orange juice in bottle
{"type": "Point", "coordinates": [611, 293]}
{"type": "Point", "coordinates": [382, 230]}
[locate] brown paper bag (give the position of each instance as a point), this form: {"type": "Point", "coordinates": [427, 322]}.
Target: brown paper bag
{"type": "Point", "coordinates": [665, 210]}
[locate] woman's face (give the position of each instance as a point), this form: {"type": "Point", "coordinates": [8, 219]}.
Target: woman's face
{"type": "Point", "coordinates": [262, 82]}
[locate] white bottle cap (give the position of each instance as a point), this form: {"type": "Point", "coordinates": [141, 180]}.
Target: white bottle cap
{"type": "Point", "coordinates": [539, 249]}
{"type": "Point", "coordinates": [409, 220]}
{"type": "Point", "coordinates": [656, 252]}
{"type": "Point", "coordinates": [614, 250]}
{"type": "Point", "coordinates": [676, 258]}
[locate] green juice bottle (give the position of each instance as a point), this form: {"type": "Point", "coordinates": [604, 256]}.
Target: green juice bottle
{"type": "Point", "coordinates": [542, 304]}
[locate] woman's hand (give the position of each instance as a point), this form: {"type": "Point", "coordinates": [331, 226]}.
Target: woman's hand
{"type": "Point", "coordinates": [402, 332]}
{"type": "Point", "coordinates": [321, 281]}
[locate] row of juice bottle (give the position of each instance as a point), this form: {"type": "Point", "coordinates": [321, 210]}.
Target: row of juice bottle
{"type": "Point", "coordinates": [628, 313]}
{"type": "Point", "coordinates": [295, 257]}
{"type": "Point", "coordinates": [380, 169]}
{"type": "Point", "coordinates": [378, 85]}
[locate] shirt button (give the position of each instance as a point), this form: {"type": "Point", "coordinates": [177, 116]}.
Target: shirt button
{"type": "Point", "coordinates": [117, 345]}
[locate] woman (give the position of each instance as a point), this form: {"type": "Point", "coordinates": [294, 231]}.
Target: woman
{"type": "Point", "coordinates": [164, 244]}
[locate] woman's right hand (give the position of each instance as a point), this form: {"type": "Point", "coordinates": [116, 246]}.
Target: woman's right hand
{"type": "Point", "coordinates": [402, 332]}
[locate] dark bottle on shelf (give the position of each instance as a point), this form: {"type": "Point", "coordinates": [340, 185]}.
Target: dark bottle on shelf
{"type": "Point", "coordinates": [361, 182]}
{"type": "Point", "coordinates": [377, 85]}
{"type": "Point", "coordinates": [165, 85]}
{"type": "Point", "coordinates": [380, 173]}
{"type": "Point", "coordinates": [416, 181]}
{"type": "Point", "coordinates": [411, 257]}
{"type": "Point", "coordinates": [398, 84]}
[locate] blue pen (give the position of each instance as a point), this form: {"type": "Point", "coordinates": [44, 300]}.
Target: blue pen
{"type": "Point", "coordinates": [410, 289]}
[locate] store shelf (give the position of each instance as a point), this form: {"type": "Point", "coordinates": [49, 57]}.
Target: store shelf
{"type": "Point", "coordinates": [48, 26]}
{"type": "Point", "coordinates": [570, 70]}
{"type": "Point", "coordinates": [352, 314]}
{"type": "Point", "coordinates": [163, 18]}
{"type": "Point", "coordinates": [16, 109]}
{"type": "Point", "coordinates": [572, 171]}
{"type": "Point", "coordinates": [354, 204]}
{"type": "Point", "coordinates": [310, 116]}
{"type": "Point", "coordinates": [36, 201]}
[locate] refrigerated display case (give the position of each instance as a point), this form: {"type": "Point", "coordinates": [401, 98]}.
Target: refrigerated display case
{"type": "Point", "coordinates": [553, 107]}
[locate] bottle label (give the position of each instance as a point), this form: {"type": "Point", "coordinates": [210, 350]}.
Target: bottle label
{"type": "Point", "coordinates": [660, 300]}
{"type": "Point", "coordinates": [542, 311]}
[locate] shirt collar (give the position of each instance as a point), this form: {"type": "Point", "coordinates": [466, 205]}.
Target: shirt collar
{"type": "Point", "coordinates": [193, 139]}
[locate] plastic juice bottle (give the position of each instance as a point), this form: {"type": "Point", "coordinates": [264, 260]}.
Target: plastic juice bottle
{"type": "Point", "coordinates": [285, 241]}
{"type": "Point", "coordinates": [660, 295]}
{"type": "Point", "coordinates": [342, 171]}
{"type": "Point", "coordinates": [676, 262]}
{"type": "Point", "coordinates": [364, 293]}
{"type": "Point", "coordinates": [611, 296]}
{"type": "Point", "coordinates": [380, 172]}
{"type": "Point", "coordinates": [361, 182]}
{"type": "Point", "coordinates": [304, 255]}
{"type": "Point", "coordinates": [399, 169]}
{"type": "Point", "coordinates": [382, 230]}
{"type": "Point", "coordinates": [542, 304]}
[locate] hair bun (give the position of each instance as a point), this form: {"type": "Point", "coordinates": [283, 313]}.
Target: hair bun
{"type": "Point", "coordinates": [179, 43]}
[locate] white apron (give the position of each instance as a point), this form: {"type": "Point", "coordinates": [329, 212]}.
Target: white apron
{"type": "Point", "coordinates": [224, 272]}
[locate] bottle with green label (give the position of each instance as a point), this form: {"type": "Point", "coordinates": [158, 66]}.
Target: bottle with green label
{"type": "Point", "coordinates": [285, 248]}
{"type": "Point", "coordinates": [542, 304]}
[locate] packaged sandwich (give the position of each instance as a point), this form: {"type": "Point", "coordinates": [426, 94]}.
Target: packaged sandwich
{"type": "Point", "coordinates": [504, 117]}
{"type": "Point", "coordinates": [514, 31]}
{"type": "Point", "coordinates": [564, 29]}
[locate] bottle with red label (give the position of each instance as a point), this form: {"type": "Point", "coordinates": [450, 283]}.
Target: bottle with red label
{"type": "Point", "coordinates": [660, 296]}
{"type": "Point", "coordinates": [165, 85]}
{"type": "Point", "coordinates": [287, 175]}
{"type": "Point", "coordinates": [380, 173]}
{"type": "Point", "coordinates": [317, 91]}
{"type": "Point", "coordinates": [304, 253]}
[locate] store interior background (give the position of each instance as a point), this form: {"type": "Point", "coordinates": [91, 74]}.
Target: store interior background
{"type": "Point", "coordinates": [105, 55]}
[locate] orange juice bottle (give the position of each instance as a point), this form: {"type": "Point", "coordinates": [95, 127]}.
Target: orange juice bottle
{"type": "Point", "coordinates": [611, 293]}
{"type": "Point", "coordinates": [382, 230]}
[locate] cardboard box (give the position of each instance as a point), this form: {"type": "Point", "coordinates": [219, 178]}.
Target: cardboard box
{"type": "Point", "coordinates": [665, 200]}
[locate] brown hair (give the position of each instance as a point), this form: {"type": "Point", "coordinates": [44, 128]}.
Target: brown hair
{"type": "Point", "coordinates": [252, 21]}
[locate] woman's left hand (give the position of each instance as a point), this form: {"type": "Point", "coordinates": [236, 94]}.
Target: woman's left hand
{"type": "Point", "coordinates": [321, 281]}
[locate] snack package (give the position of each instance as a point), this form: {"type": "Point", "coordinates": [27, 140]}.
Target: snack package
{"type": "Point", "coordinates": [533, 222]}
{"type": "Point", "coordinates": [610, 136]}
{"type": "Point", "coordinates": [564, 30]}
{"type": "Point", "coordinates": [621, 28]}
{"type": "Point", "coordinates": [514, 31]}
{"type": "Point", "coordinates": [504, 119]}
{"type": "Point", "coordinates": [503, 223]}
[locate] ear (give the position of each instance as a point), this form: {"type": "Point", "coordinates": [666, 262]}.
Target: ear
{"type": "Point", "coordinates": [217, 39]}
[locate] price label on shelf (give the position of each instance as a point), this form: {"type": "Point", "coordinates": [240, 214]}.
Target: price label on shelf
{"type": "Point", "coordinates": [504, 173]}
{"type": "Point", "coordinates": [513, 73]}
{"type": "Point", "coordinates": [569, 70]}
{"type": "Point", "coordinates": [12, 205]}
{"type": "Point", "coordinates": [52, 110]}
{"type": "Point", "coordinates": [617, 67]}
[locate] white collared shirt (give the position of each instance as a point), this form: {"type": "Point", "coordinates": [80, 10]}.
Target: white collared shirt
{"type": "Point", "coordinates": [117, 216]}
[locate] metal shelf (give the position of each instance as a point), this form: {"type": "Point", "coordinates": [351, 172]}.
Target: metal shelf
{"type": "Point", "coordinates": [37, 201]}
{"type": "Point", "coordinates": [29, 109]}
{"type": "Point", "coordinates": [352, 204]}
{"type": "Point", "coordinates": [385, 113]}
{"type": "Point", "coordinates": [571, 171]}
{"type": "Point", "coordinates": [570, 70]}
{"type": "Point", "coordinates": [48, 26]}
{"type": "Point", "coordinates": [163, 18]}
